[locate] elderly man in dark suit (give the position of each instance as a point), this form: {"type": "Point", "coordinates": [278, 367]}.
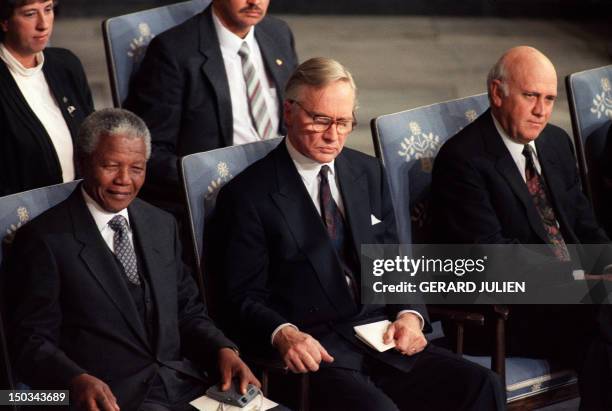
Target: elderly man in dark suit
{"type": "Point", "coordinates": [214, 81]}
{"type": "Point", "coordinates": [511, 178]}
{"type": "Point", "coordinates": [291, 226]}
{"type": "Point", "coordinates": [101, 302]}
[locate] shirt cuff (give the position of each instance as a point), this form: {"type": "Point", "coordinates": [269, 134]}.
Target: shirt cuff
{"type": "Point", "coordinates": [578, 274]}
{"type": "Point", "coordinates": [277, 329]}
{"type": "Point", "coordinates": [418, 314]}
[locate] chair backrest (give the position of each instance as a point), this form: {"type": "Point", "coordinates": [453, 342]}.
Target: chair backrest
{"type": "Point", "coordinates": [407, 143]}
{"type": "Point", "coordinates": [590, 101]}
{"type": "Point", "coordinates": [126, 39]}
{"type": "Point", "coordinates": [205, 173]}
{"type": "Point", "coordinates": [15, 211]}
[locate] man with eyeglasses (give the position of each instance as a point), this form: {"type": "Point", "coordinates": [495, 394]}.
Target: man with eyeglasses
{"type": "Point", "coordinates": [288, 232]}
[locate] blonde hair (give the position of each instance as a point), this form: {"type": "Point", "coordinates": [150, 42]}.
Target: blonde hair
{"type": "Point", "coordinates": [318, 72]}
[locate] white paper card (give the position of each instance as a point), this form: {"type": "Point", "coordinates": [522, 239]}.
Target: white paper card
{"type": "Point", "coordinates": [205, 403]}
{"type": "Point", "coordinates": [372, 335]}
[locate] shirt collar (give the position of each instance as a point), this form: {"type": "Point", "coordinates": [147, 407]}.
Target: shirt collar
{"type": "Point", "coordinates": [16, 67]}
{"type": "Point", "coordinates": [515, 148]}
{"type": "Point", "coordinates": [308, 168]}
{"type": "Point", "coordinates": [100, 215]}
{"type": "Point", "coordinates": [228, 41]}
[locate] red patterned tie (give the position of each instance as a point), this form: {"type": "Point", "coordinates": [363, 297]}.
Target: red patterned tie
{"type": "Point", "coordinates": [537, 189]}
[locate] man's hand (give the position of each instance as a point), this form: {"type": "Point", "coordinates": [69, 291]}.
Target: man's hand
{"type": "Point", "coordinates": [92, 394]}
{"type": "Point", "coordinates": [231, 366]}
{"type": "Point", "coordinates": [407, 334]}
{"type": "Point", "coordinates": [300, 352]}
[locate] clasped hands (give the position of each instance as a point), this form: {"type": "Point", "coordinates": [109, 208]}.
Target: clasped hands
{"type": "Point", "coordinates": [302, 353]}
{"type": "Point", "coordinates": [92, 394]}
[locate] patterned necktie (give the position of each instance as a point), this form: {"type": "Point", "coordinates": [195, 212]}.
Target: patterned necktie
{"type": "Point", "coordinates": [537, 189]}
{"type": "Point", "coordinates": [336, 229]}
{"type": "Point", "coordinates": [123, 248]}
{"type": "Point", "coordinates": [257, 103]}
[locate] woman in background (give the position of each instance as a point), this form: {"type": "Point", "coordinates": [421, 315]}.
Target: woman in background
{"type": "Point", "coordinates": [44, 97]}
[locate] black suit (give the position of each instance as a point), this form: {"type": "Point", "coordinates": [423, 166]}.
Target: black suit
{"type": "Point", "coordinates": [279, 266]}
{"type": "Point", "coordinates": [72, 312]}
{"type": "Point", "coordinates": [27, 157]}
{"type": "Point", "coordinates": [479, 196]}
{"type": "Point", "coordinates": [182, 93]}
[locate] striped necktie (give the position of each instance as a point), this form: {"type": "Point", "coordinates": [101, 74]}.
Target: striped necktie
{"type": "Point", "coordinates": [257, 103]}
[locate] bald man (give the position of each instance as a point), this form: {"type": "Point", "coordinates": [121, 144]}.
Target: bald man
{"type": "Point", "coordinates": [511, 179]}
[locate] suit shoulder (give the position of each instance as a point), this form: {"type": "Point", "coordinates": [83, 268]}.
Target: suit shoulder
{"type": "Point", "coordinates": [52, 220]}
{"type": "Point", "coordinates": [180, 37]}
{"type": "Point", "coordinates": [153, 212]}
{"type": "Point", "coordinates": [274, 24]}
{"type": "Point", "coordinates": [255, 177]}
{"type": "Point", "coordinates": [358, 158]}
{"type": "Point", "coordinates": [62, 56]}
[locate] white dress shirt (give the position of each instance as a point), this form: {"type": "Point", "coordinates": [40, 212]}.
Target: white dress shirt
{"type": "Point", "coordinates": [36, 91]}
{"type": "Point", "coordinates": [309, 172]}
{"type": "Point", "coordinates": [102, 217]}
{"type": "Point", "coordinates": [244, 131]}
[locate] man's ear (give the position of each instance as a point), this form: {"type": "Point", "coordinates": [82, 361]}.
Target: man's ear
{"type": "Point", "coordinates": [497, 93]}
{"type": "Point", "coordinates": [4, 25]}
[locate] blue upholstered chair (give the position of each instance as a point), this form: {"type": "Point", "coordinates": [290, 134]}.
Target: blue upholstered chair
{"type": "Point", "coordinates": [407, 143]}
{"type": "Point", "coordinates": [126, 39]}
{"type": "Point", "coordinates": [15, 211]}
{"type": "Point", "coordinates": [203, 176]}
{"type": "Point", "coordinates": [590, 100]}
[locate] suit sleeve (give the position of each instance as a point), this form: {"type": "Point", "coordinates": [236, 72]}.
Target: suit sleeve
{"type": "Point", "coordinates": [243, 267]}
{"type": "Point", "coordinates": [156, 95]}
{"type": "Point", "coordinates": [35, 314]}
{"type": "Point", "coordinates": [200, 337]}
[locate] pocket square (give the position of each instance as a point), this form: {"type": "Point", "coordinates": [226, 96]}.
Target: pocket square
{"type": "Point", "coordinates": [374, 219]}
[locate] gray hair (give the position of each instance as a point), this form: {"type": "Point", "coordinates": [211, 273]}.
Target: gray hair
{"type": "Point", "coordinates": [318, 72]}
{"type": "Point", "coordinates": [498, 72]}
{"type": "Point", "coordinates": [111, 121]}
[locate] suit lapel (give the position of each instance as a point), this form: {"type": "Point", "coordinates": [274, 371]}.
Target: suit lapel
{"type": "Point", "coordinates": [306, 225]}
{"type": "Point", "coordinates": [99, 260]}
{"type": "Point", "coordinates": [148, 239]}
{"type": "Point", "coordinates": [354, 189]}
{"type": "Point", "coordinates": [274, 64]}
{"type": "Point", "coordinates": [507, 168]}
{"type": "Point", "coordinates": [551, 173]}
{"type": "Point", "coordinates": [213, 68]}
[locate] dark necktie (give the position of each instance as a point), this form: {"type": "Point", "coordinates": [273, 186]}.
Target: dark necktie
{"type": "Point", "coordinates": [337, 230]}
{"type": "Point", "coordinates": [537, 189]}
{"type": "Point", "coordinates": [123, 248]}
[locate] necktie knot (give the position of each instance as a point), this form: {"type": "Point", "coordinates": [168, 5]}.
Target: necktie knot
{"type": "Point", "coordinates": [528, 151]}
{"type": "Point", "coordinates": [118, 223]}
{"type": "Point", "coordinates": [244, 51]}
{"type": "Point", "coordinates": [324, 171]}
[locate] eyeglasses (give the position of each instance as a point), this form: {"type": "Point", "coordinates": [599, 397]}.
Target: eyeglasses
{"type": "Point", "coordinates": [321, 124]}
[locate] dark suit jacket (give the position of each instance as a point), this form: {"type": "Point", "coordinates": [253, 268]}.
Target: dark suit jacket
{"type": "Point", "coordinates": [279, 265]}
{"type": "Point", "coordinates": [182, 93]}
{"type": "Point", "coordinates": [479, 196]}
{"type": "Point", "coordinates": [27, 157]}
{"type": "Point", "coordinates": [72, 312]}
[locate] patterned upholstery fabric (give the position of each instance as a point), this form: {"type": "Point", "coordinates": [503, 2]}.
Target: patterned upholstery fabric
{"type": "Point", "coordinates": [407, 142]}
{"type": "Point", "coordinates": [126, 39]}
{"type": "Point", "coordinates": [590, 102]}
{"type": "Point", "coordinates": [205, 173]}
{"type": "Point", "coordinates": [15, 211]}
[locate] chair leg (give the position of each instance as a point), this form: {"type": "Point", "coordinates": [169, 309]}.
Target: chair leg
{"type": "Point", "coordinates": [498, 360]}
{"type": "Point", "coordinates": [460, 335]}
{"type": "Point", "coordinates": [304, 393]}
{"type": "Point", "coordinates": [265, 382]}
